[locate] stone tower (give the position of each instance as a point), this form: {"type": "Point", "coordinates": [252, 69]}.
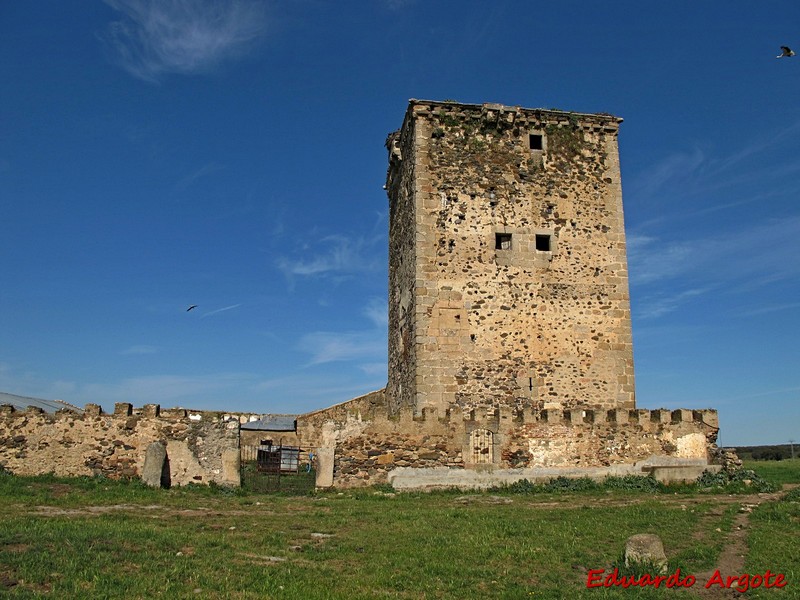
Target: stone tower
{"type": "Point", "coordinates": [508, 281]}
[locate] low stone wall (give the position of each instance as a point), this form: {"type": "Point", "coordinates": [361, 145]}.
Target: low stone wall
{"type": "Point", "coordinates": [666, 471]}
{"type": "Point", "coordinates": [201, 447]}
{"type": "Point", "coordinates": [368, 444]}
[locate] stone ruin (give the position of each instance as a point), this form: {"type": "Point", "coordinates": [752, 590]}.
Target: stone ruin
{"type": "Point", "coordinates": [510, 346]}
{"type": "Point", "coordinates": [197, 447]}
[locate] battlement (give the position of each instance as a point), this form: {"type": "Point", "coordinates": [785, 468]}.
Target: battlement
{"type": "Point", "coordinates": [202, 446]}
{"type": "Point", "coordinates": [126, 410]}
{"type": "Point", "coordinates": [572, 417]}
{"type": "Point", "coordinates": [504, 115]}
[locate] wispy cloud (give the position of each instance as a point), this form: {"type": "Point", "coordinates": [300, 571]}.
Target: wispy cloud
{"type": "Point", "coordinates": [203, 171]}
{"type": "Point", "coordinates": [377, 311]}
{"type": "Point", "coordinates": [213, 390]}
{"type": "Point", "coordinates": [673, 169]}
{"type": "Point", "coordinates": [655, 306]}
{"type": "Point", "coordinates": [716, 180]}
{"type": "Point", "coordinates": [771, 309]}
{"type": "Point", "coordinates": [157, 37]}
{"type": "Point", "coordinates": [337, 254]}
{"type": "Point", "coordinates": [327, 346]}
{"type": "Point", "coordinates": [667, 273]}
{"type": "Point", "coordinates": [653, 259]}
{"type": "Point", "coordinates": [219, 310]}
{"type": "Point", "coordinates": [140, 349]}
{"type": "Point", "coordinates": [304, 392]}
{"type": "Point", "coordinates": [376, 368]}
{"type": "Point", "coordinates": [765, 251]}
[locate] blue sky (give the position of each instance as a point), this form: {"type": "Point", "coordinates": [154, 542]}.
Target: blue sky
{"type": "Point", "coordinates": [159, 154]}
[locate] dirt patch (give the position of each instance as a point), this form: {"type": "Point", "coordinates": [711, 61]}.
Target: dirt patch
{"type": "Point", "coordinates": [484, 500]}
{"type": "Point", "coordinates": [163, 511]}
{"type": "Point", "coordinates": [7, 579]}
{"type": "Point", "coordinates": [732, 558]}
{"type": "Point", "coordinates": [54, 511]}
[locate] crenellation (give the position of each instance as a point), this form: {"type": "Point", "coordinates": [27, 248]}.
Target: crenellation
{"type": "Point", "coordinates": [92, 410]}
{"type": "Point", "coordinates": [70, 443]}
{"type": "Point", "coordinates": [660, 416]}
{"type": "Point", "coordinates": [174, 414]}
{"type": "Point", "coordinates": [682, 415]}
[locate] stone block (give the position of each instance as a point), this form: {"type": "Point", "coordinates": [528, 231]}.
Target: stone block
{"type": "Point", "coordinates": [682, 416]}
{"type": "Point", "coordinates": [231, 473]}
{"type": "Point", "coordinates": [707, 417]}
{"type": "Point", "coordinates": [123, 409]}
{"type": "Point", "coordinates": [154, 460]}
{"type": "Point", "coordinates": [385, 459]}
{"type": "Point", "coordinates": [92, 410]}
{"type": "Point", "coordinates": [620, 416]}
{"type": "Point", "coordinates": [646, 549]}
{"type": "Point", "coordinates": [325, 459]}
{"type": "Point", "coordinates": [660, 416]}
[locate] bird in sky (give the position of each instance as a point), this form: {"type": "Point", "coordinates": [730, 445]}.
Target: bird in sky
{"type": "Point", "coordinates": [191, 307]}
{"type": "Point", "coordinates": [785, 52]}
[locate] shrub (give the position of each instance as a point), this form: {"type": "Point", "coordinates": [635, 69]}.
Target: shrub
{"type": "Point", "coordinates": [633, 482]}
{"type": "Point", "coordinates": [739, 480]}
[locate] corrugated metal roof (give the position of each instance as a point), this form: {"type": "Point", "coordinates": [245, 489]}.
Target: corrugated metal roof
{"type": "Point", "coordinates": [272, 423]}
{"type": "Point", "coordinates": [23, 402]}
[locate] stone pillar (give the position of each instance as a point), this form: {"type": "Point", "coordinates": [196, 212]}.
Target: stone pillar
{"type": "Point", "coordinates": [231, 474]}
{"type": "Point", "coordinates": [324, 467]}
{"type": "Point", "coordinates": [154, 464]}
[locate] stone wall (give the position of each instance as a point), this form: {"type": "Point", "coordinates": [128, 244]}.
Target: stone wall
{"type": "Point", "coordinates": [508, 275]}
{"type": "Point", "coordinates": [403, 187]}
{"type": "Point", "coordinates": [369, 442]}
{"type": "Point", "coordinates": [201, 447]}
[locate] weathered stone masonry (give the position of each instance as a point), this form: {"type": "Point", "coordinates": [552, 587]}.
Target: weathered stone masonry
{"type": "Point", "coordinates": [508, 275]}
{"type": "Point", "coordinates": [371, 444]}
{"type": "Point", "coordinates": [201, 447]}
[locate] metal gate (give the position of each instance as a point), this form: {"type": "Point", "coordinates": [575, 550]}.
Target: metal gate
{"type": "Point", "coordinates": [269, 467]}
{"type": "Point", "coordinates": [481, 442]}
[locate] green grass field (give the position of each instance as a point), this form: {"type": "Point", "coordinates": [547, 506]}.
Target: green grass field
{"type": "Point", "coordinates": [88, 538]}
{"type": "Point", "coordinates": [777, 471]}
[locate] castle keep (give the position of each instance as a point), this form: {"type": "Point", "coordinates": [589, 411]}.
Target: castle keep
{"type": "Point", "coordinates": [508, 282]}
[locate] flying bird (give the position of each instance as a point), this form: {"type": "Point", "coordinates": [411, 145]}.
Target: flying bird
{"type": "Point", "coordinates": [785, 52]}
{"type": "Point", "coordinates": [191, 307]}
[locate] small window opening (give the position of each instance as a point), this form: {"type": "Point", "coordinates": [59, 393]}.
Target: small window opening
{"type": "Point", "coordinates": [542, 242]}
{"type": "Point", "coordinates": [536, 141]}
{"type": "Point", "coordinates": [502, 241]}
